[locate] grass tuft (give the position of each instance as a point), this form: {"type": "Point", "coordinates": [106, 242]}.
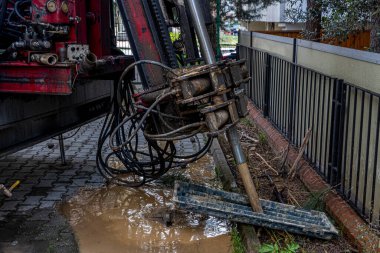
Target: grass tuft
{"type": "Point", "coordinates": [237, 242]}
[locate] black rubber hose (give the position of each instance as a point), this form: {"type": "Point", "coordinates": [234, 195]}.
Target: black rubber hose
{"type": "Point", "coordinates": [3, 11]}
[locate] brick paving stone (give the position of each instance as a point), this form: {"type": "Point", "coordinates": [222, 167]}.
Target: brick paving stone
{"type": "Point", "coordinates": [70, 153]}
{"type": "Point", "coordinates": [78, 160]}
{"type": "Point", "coordinates": [75, 166]}
{"type": "Point", "coordinates": [8, 158]}
{"type": "Point", "coordinates": [39, 191]}
{"type": "Point", "coordinates": [40, 157]}
{"type": "Point", "coordinates": [22, 189]}
{"type": "Point", "coordinates": [16, 164]}
{"type": "Point", "coordinates": [84, 174]}
{"type": "Point", "coordinates": [41, 215]}
{"type": "Point", "coordinates": [64, 179]}
{"type": "Point", "coordinates": [86, 150]}
{"type": "Point", "coordinates": [4, 164]}
{"type": "Point", "coordinates": [25, 208]}
{"type": "Point", "coordinates": [45, 183]}
{"type": "Point", "coordinates": [76, 144]}
{"type": "Point", "coordinates": [10, 205]}
{"type": "Point", "coordinates": [87, 168]}
{"type": "Point", "coordinates": [81, 156]}
{"type": "Point", "coordinates": [26, 169]}
{"type": "Point", "coordinates": [94, 184]}
{"type": "Point", "coordinates": [54, 195]}
{"type": "Point", "coordinates": [80, 182]}
{"type": "Point", "coordinates": [50, 176]}
{"type": "Point", "coordinates": [19, 195]}
{"type": "Point", "coordinates": [3, 215]}
{"type": "Point", "coordinates": [69, 172]}
{"type": "Point", "coordinates": [39, 172]}
{"type": "Point", "coordinates": [47, 203]}
{"type": "Point", "coordinates": [59, 188]}
{"type": "Point", "coordinates": [6, 173]}
{"type": "Point", "coordinates": [32, 180]}
{"type": "Point", "coordinates": [71, 191]}
{"type": "Point", "coordinates": [31, 162]}
{"type": "Point", "coordinates": [30, 200]}
{"type": "Point", "coordinates": [90, 163]}
{"type": "Point", "coordinates": [27, 156]}
{"type": "Point", "coordinates": [96, 179]}
{"type": "Point", "coordinates": [18, 175]}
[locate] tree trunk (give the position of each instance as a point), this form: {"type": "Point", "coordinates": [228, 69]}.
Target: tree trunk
{"type": "Point", "coordinates": [313, 22]}
{"type": "Point", "coordinates": [375, 31]}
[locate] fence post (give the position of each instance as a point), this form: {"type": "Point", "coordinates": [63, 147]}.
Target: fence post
{"type": "Point", "coordinates": [268, 67]}
{"type": "Point", "coordinates": [293, 95]}
{"type": "Point", "coordinates": [250, 42]}
{"type": "Point", "coordinates": [336, 132]}
{"type": "Point", "coordinates": [250, 56]}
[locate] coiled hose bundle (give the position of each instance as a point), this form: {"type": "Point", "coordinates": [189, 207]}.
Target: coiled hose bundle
{"type": "Point", "coordinates": [128, 153]}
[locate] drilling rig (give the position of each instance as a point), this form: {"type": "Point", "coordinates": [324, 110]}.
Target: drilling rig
{"type": "Point", "coordinates": [48, 44]}
{"type": "Point", "coordinates": [60, 67]}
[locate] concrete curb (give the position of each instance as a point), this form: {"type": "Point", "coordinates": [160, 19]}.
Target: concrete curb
{"type": "Point", "coordinates": [353, 226]}
{"type": "Point", "coordinates": [248, 233]}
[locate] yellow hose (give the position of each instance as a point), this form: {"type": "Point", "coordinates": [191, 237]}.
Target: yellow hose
{"type": "Point", "coordinates": [14, 185]}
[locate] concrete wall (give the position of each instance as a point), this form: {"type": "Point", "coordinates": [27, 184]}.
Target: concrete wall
{"type": "Point", "coordinates": [354, 66]}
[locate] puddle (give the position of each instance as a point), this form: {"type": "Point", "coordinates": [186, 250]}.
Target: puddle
{"type": "Point", "coordinates": [117, 219]}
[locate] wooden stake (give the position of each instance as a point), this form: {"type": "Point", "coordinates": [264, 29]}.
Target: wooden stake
{"type": "Point", "coordinates": [267, 164]}
{"type": "Point", "coordinates": [305, 140]}
{"type": "Point", "coordinates": [250, 187]}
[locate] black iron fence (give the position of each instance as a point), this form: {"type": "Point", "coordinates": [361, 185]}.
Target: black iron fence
{"type": "Point", "coordinates": [120, 33]}
{"type": "Point", "coordinates": [344, 120]}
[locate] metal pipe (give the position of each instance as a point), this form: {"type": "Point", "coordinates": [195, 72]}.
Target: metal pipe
{"type": "Point", "coordinates": [200, 27]}
{"type": "Point", "coordinates": [47, 59]}
{"type": "Point", "coordinates": [5, 191]}
{"type": "Point", "coordinates": [233, 136]}
{"type": "Point", "coordinates": [88, 63]}
{"type": "Point", "coordinates": [62, 149]}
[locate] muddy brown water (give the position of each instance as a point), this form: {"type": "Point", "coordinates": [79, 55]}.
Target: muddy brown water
{"type": "Point", "coordinates": [116, 219]}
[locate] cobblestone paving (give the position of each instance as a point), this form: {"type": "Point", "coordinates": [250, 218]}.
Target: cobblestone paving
{"type": "Point", "coordinates": [29, 221]}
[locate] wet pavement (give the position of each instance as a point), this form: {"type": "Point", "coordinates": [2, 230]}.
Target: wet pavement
{"type": "Point", "coordinates": [117, 219]}
{"type": "Point", "coordinates": [68, 208]}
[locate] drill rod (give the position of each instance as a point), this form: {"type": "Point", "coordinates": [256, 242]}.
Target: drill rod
{"type": "Point", "coordinates": [233, 136]}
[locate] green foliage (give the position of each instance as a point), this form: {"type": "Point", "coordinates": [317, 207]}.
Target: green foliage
{"type": "Point", "coordinates": [316, 200]}
{"type": "Point", "coordinates": [262, 138]}
{"type": "Point", "coordinates": [237, 243]}
{"type": "Point", "coordinates": [51, 248]}
{"type": "Point", "coordinates": [275, 248]}
{"type": "Point", "coordinates": [246, 122]}
{"type": "Point", "coordinates": [228, 40]}
{"type": "Point", "coordinates": [218, 172]}
{"type": "Point", "coordinates": [337, 18]}
{"type": "Point", "coordinates": [294, 11]}
{"type": "Point", "coordinates": [243, 10]}
{"type": "Point", "coordinates": [174, 36]}
{"type": "Point", "coordinates": [269, 248]}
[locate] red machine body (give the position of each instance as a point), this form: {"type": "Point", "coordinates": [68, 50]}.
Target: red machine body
{"type": "Point", "coordinates": [58, 42]}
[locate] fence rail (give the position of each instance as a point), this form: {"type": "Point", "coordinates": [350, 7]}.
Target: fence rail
{"type": "Point", "coordinates": [344, 119]}
{"type": "Point", "coordinates": [359, 40]}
